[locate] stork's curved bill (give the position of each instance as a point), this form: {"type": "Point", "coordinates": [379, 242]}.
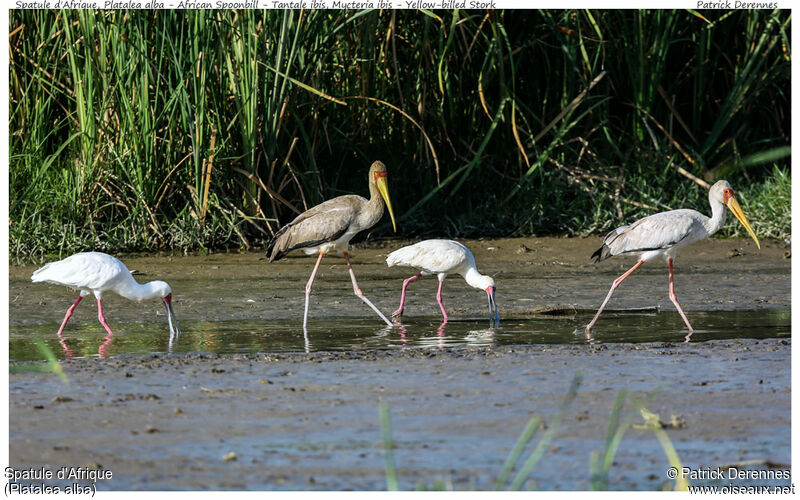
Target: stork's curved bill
{"type": "Point", "coordinates": [383, 187]}
{"type": "Point", "coordinates": [736, 210]}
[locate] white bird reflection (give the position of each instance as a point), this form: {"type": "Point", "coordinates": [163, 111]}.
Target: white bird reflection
{"type": "Point", "coordinates": [173, 340]}
{"type": "Point", "coordinates": [481, 338]}
{"type": "Point", "coordinates": [306, 342]}
{"type": "Point", "coordinates": [448, 334]}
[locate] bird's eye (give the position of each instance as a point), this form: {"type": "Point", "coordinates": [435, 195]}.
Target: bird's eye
{"type": "Point", "coordinates": [727, 194]}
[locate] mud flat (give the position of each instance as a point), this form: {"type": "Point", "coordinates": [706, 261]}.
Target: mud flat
{"type": "Point", "coordinates": [310, 421]}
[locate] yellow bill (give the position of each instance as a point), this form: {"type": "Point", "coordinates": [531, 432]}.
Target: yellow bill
{"type": "Point", "coordinates": [383, 187]}
{"type": "Point", "coordinates": [734, 207]}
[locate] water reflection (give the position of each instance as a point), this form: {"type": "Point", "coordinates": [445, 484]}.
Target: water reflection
{"type": "Point", "coordinates": [102, 351]}
{"type": "Point", "coordinates": [348, 334]}
{"type": "Point", "coordinates": [481, 338]}
{"type": "Point", "coordinates": [446, 335]}
{"type": "Point", "coordinates": [306, 342]}
{"type": "Point", "coordinates": [174, 335]}
{"type": "Point", "coordinates": [67, 351]}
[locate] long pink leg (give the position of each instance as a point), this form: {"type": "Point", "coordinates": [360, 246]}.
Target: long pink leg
{"type": "Point", "coordinates": [68, 315]}
{"type": "Point", "coordinates": [358, 291]}
{"type": "Point", "coordinates": [68, 354]}
{"type": "Point", "coordinates": [399, 311]}
{"type": "Point", "coordinates": [439, 299]}
{"type": "Point", "coordinates": [102, 318]}
{"type": "Point", "coordinates": [674, 298]}
{"type": "Point", "coordinates": [308, 287]}
{"type": "Point", "coordinates": [613, 287]}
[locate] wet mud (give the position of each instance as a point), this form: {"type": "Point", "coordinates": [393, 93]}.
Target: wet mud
{"type": "Point", "coordinates": [311, 421]}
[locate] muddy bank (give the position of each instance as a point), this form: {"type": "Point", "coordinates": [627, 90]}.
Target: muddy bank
{"type": "Point", "coordinates": [310, 421]}
{"type": "Point", "coordinates": [532, 273]}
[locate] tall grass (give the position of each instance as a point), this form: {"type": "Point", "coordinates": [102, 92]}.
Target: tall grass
{"type": "Point", "coordinates": [142, 130]}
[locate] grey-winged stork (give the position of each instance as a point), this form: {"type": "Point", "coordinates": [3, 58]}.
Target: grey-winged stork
{"type": "Point", "coordinates": [662, 234]}
{"type": "Point", "coordinates": [443, 257]}
{"type": "Point", "coordinates": [97, 273]}
{"type": "Point", "coordinates": [329, 227]}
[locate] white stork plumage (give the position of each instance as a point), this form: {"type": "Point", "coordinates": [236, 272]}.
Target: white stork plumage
{"type": "Point", "coordinates": [442, 257]}
{"type": "Point", "coordinates": [97, 273]}
{"type": "Point", "coordinates": [662, 234]}
{"type": "Point", "coordinates": [331, 225]}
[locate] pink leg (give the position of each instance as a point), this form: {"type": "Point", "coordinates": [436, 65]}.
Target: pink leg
{"type": "Point", "coordinates": [69, 315]}
{"type": "Point", "coordinates": [613, 287]}
{"type": "Point", "coordinates": [439, 299]}
{"type": "Point", "coordinates": [399, 311]}
{"type": "Point", "coordinates": [674, 299]}
{"type": "Point", "coordinates": [102, 318]}
{"type": "Point", "coordinates": [358, 291]}
{"type": "Point", "coordinates": [308, 286]}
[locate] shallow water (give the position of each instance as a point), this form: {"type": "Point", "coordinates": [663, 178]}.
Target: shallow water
{"type": "Point", "coordinates": [333, 334]}
{"type": "Point", "coordinates": [547, 287]}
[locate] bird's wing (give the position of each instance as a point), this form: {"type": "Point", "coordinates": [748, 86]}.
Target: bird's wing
{"type": "Point", "coordinates": [320, 224]}
{"type": "Point", "coordinates": [83, 270]}
{"type": "Point", "coordinates": [432, 256]}
{"type": "Point", "coordinates": [655, 232]}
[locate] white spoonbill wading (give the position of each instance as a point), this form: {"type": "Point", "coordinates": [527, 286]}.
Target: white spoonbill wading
{"type": "Point", "coordinates": [331, 225]}
{"type": "Point", "coordinates": [442, 257]}
{"type": "Point", "coordinates": [97, 273]}
{"type": "Point", "coordinates": [662, 234]}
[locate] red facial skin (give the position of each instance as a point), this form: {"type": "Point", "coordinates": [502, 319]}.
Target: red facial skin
{"type": "Point", "coordinates": [726, 195]}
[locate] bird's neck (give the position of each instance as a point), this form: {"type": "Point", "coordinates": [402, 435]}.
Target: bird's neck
{"type": "Point", "coordinates": [474, 278]}
{"type": "Point", "coordinates": [718, 214]}
{"type": "Point", "coordinates": [375, 203]}
{"type": "Point", "coordinates": [133, 290]}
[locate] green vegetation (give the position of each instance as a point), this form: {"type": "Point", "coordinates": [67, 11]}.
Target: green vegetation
{"type": "Point", "coordinates": [186, 130]}
{"type": "Point", "coordinates": [52, 365]}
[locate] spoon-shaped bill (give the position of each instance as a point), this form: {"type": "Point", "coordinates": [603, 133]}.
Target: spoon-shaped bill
{"type": "Point", "coordinates": [173, 330]}
{"type": "Point", "coordinates": [494, 314]}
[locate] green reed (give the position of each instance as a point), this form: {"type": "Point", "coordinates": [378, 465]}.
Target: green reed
{"type": "Point", "coordinates": [143, 130]}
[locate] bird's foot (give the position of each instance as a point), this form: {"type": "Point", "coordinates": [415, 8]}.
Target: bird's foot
{"type": "Point", "coordinates": [397, 314]}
